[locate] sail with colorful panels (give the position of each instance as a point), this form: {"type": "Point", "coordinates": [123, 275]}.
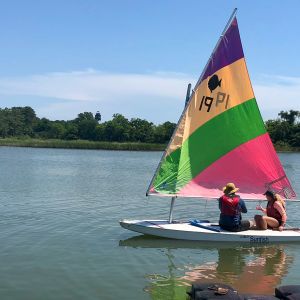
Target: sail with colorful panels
{"type": "Point", "coordinates": [221, 136]}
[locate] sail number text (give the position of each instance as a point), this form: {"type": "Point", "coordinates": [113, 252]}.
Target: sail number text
{"type": "Point", "coordinates": [220, 99]}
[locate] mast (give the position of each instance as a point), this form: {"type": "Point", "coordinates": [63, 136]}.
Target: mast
{"type": "Point", "coordinates": [188, 92]}
{"type": "Point", "coordinates": [189, 98]}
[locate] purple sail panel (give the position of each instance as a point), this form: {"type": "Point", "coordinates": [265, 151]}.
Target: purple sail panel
{"type": "Point", "coordinates": [229, 50]}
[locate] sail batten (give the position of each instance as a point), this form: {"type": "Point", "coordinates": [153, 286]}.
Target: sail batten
{"type": "Point", "coordinates": [221, 136]}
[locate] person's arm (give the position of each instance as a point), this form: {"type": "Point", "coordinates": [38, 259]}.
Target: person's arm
{"type": "Point", "coordinates": [243, 206]}
{"type": "Point", "coordinates": [278, 206]}
{"type": "Point", "coordinates": [220, 204]}
{"type": "Point", "coordinates": [264, 210]}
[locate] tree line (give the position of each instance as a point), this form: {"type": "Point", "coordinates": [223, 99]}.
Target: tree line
{"type": "Point", "coordinates": [23, 122]}
{"type": "Point", "coordinates": [285, 130]}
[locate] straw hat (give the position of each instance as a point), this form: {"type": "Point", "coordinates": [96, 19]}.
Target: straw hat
{"type": "Point", "coordinates": [230, 188]}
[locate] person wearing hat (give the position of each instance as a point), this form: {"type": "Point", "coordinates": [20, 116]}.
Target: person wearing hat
{"type": "Point", "coordinates": [231, 207]}
{"type": "Point", "coordinates": [275, 213]}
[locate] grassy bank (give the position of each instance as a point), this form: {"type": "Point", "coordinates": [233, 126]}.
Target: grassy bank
{"type": "Point", "coordinates": [80, 144]}
{"type": "Point", "coordinates": [284, 147]}
{"type": "Point", "coordinates": [83, 144]}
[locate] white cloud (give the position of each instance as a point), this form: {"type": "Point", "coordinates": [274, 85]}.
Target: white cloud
{"type": "Point", "coordinates": [93, 85]}
{"type": "Point", "coordinates": [276, 93]}
{"type": "Point", "coordinates": [155, 96]}
{"type": "Point", "coordinates": [134, 95]}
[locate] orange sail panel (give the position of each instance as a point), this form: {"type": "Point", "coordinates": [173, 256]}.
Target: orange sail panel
{"type": "Point", "coordinates": [221, 136]}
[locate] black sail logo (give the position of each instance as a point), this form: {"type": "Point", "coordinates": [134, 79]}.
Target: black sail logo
{"type": "Point", "coordinates": [218, 100]}
{"type": "Point", "coordinates": [214, 82]}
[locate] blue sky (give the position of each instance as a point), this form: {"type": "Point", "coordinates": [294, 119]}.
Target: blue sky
{"type": "Point", "coordinates": [137, 57]}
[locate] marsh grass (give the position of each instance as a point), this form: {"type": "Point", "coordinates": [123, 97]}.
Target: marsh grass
{"type": "Point", "coordinates": [79, 144]}
{"type": "Point", "coordinates": [83, 144]}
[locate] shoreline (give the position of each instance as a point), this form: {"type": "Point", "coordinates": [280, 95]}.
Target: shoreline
{"type": "Point", "coordinates": [100, 145]}
{"type": "Point", "coordinates": [80, 144]}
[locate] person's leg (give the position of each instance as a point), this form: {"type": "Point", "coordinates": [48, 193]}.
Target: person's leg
{"type": "Point", "coordinates": [245, 225]}
{"type": "Point", "coordinates": [252, 224]}
{"type": "Point", "coordinates": [261, 223]}
{"type": "Point", "coordinates": [271, 222]}
{"type": "Point", "coordinates": [228, 228]}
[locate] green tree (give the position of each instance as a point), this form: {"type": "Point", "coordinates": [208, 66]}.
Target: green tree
{"type": "Point", "coordinates": [86, 129]}
{"type": "Point", "coordinates": [278, 130]}
{"type": "Point", "coordinates": [118, 129]}
{"type": "Point", "coordinates": [100, 132]}
{"type": "Point", "coordinates": [289, 116]}
{"type": "Point", "coordinates": [57, 130]}
{"type": "Point", "coordinates": [3, 124]}
{"type": "Point", "coordinates": [86, 124]}
{"type": "Point", "coordinates": [42, 127]}
{"type": "Point", "coordinates": [163, 132]}
{"type": "Point", "coordinates": [15, 120]}
{"type": "Point", "coordinates": [295, 136]}
{"type": "Point", "coordinates": [71, 132]}
{"type": "Point", "coordinates": [141, 131]}
{"type": "Point", "coordinates": [84, 116]}
{"type": "Point", "coordinates": [29, 119]}
{"type": "Point", "coordinates": [285, 130]}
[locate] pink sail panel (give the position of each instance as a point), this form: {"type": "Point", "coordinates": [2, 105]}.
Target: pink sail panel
{"type": "Point", "coordinates": [253, 167]}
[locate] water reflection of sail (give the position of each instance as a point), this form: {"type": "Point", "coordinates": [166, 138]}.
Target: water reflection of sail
{"type": "Point", "coordinates": [249, 269]}
{"type": "Point", "coordinates": [264, 272]}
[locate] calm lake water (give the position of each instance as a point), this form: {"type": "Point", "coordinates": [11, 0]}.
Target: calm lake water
{"type": "Point", "coordinates": [60, 237]}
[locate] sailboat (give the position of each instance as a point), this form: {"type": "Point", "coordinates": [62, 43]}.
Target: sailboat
{"type": "Point", "coordinates": [220, 138]}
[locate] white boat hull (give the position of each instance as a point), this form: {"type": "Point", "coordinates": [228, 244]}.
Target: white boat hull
{"type": "Point", "coordinates": [186, 231]}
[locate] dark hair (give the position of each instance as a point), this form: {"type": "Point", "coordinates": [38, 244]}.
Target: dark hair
{"type": "Point", "coordinates": [275, 197]}
{"type": "Point", "coordinates": [269, 193]}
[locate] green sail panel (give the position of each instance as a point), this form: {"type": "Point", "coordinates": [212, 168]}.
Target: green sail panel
{"type": "Point", "coordinates": [207, 144]}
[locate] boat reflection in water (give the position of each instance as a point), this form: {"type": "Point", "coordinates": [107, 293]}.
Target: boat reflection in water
{"type": "Point", "coordinates": [248, 268]}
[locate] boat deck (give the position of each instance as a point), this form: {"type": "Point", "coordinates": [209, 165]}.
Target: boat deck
{"type": "Point", "coordinates": [209, 232]}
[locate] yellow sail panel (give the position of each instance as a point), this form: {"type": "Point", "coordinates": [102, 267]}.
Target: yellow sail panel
{"type": "Point", "coordinates": [235, 88]}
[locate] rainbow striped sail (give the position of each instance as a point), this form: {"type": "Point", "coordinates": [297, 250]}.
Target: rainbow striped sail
{"type": "Point", "coordinates": [221, 136]}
